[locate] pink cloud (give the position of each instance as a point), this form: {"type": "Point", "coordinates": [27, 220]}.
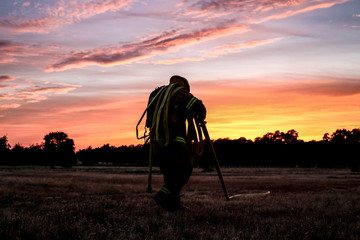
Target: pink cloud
{"type": "Point", "coordinates": [9, 106]}
{"type": "Point", "coordinates": [133, 52]}
{"type": "Point", "coordinates": [288, 13]}
{"type": "Point", "coordinates": [14, 52]}
{"type": "Point", "coordinates": [36, 94]}
{"type": "Point", "coordinates": [31, 94]}
{"type": "Point", "coordinates": [180, 60]}
{"type": "Point", "coordinates": [204, 8]}
{"type": "Point", "coordinates": [234, 48]}
{"type": "Point", "coordinates": [252, 10]}
{"type": "Point", "coordinates": [61, 13]}
{"type": "Point", "coordinates": [7, 60]}
{"type": "Point", "coordinates": [220, 51]}
{"type": "Point", "coordinates": [6, 78]}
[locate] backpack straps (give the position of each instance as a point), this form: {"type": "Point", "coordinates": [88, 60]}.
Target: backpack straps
{"type": "Point", "coordinates": [142, 116]}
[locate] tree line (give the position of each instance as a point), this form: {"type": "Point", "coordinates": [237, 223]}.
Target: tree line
{"type": "Point", "coordinates": [337, 150]}
{"type": "Point", "coordinates": [274, 149]}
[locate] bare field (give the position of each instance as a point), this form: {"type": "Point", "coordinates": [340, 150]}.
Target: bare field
{"type": "Point", "coordinates": [111, 203]}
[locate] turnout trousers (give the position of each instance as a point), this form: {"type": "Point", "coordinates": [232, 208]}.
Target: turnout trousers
{"type": "Point", "coordinates": [176, 164]}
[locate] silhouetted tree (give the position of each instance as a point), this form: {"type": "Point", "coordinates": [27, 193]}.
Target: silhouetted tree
{"type": "Point", "coordinates": [17, 155]}
{"type": "Point", "coordinates": [18, 148]}
{"type": "Point", "coordinates": [60, 149]}
{"type": "Point", "coordinates": [88, 157]}
{"type": "Point", "coordinates": [4, 150]}
{"type": "Point", "coordinates": [267, 138]}
{"type": "Point", "coordinates": [341, 136]}
{"type": "Point", "coordinates": [4, 145]}
{"type": "Point", "coordinates": [346, 145]}
{"type": "Point", "coordinates": [279, 137]}
{"type": "Point", "coordinates": [243, 140]}
{"type": "Point", "coordinates": [36, 147]}
{"type": "Point", "coordinates": [326, 137]}
{"type": "Point", "coordinates": [36, 155]}
{"type": "Point", "coordinates": [355, 135]}
{"type": "Point", "coordinates": [340, 149]}
{"type": "Point", "coordinates": [290, 137]}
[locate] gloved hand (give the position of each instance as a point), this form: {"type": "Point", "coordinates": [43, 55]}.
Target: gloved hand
{"type": "Point", "coordinates": [201, 118]}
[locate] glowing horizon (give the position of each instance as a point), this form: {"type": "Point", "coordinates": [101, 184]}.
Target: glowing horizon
{"type": "Point", "coordinates": [87, 67]}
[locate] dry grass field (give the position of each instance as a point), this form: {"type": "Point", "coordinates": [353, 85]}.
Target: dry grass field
{"type": "Point", "coordinates": [111, 203]}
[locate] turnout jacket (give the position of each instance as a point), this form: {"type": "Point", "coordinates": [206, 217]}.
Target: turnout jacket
{"type": "Point", "coordinates": [182, 106]}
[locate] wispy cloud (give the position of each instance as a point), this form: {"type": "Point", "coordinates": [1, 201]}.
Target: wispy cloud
{"type": "Point", "coordinates": [168, 40]}
{"type": "Point", "coordinates": [179, 60]}
{"type": "Point", "coordinates": [41, 17]}
{"type": "Point", "coordinates": [285, 13]}
{"type": "Point", "coordinates": [7, 51]}
{"type": "Point", "coordinates": [6, 78]}
{"type": "Point", "coordinates": [25, 91]}
{"type": "Point", "coordinates": [35, 93]}
{"type": "Point", "coordinates": [220, 51]}
{"type": "Point", "coordinates": [294, 84]}
{"type": "Point", "coordinates": [175, 39]}
{"type": "Point", "coordinates": [238, 47]}
{"type": "Point", "coordinates": [251, 11]}
{"type": "Point", "coordinates": [8, 106]}
{"type": "Point", "coordinates": [14, 52]}
{"type": "Point", "coordinates": [324, 86]}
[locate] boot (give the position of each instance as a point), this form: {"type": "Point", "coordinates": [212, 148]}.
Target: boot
{"type": "Point", "coordinates": [168, 200]}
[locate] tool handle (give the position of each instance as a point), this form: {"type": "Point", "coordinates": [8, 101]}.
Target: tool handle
{"type": "Point", "coordinates": [217, 165]}
{"type": "Point", "coordinates": [149, 188]}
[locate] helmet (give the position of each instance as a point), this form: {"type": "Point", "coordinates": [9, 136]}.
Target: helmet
{"type": "Point", "coordinates": [181, 81]}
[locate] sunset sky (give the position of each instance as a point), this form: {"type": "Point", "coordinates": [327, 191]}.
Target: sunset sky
{"type": "Point", "coordinates": [86, 67]}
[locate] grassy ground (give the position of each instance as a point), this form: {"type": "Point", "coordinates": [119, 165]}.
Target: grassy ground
{"type": "Point", "coordinates": [111, 203]}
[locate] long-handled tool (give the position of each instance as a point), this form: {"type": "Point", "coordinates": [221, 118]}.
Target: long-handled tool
{"type": "Point", "coordinates": [217, 165]}
{"type": "Point", "coordinates": [149, 188]}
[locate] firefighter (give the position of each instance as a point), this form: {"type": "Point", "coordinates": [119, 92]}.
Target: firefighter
{"type": "Point", "coordinates": [170, 106]}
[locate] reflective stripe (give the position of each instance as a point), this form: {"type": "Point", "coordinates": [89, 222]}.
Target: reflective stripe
{"type": "Point", "coordinates": [179, 139]}
{"type": "Point", "coordinates": [191, 103]}
{"type": "Point", "coordinates": [165, 190]}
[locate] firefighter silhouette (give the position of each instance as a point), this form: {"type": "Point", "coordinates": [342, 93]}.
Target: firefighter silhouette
{"type": "Point", "coordinates": [172, 114]}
